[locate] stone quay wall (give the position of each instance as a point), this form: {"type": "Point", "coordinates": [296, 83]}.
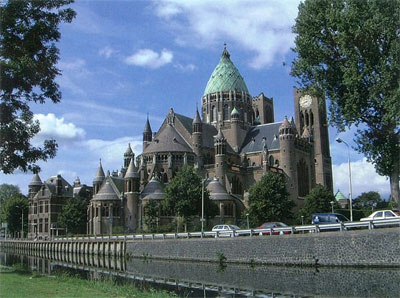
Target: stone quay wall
{"type": "Point", "coordinates": [378, 247]}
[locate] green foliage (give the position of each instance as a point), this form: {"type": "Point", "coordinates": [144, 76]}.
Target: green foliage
{"type": "Point", "coordinates": [73, 217]}
{"type": "Point", "coordinates": [13, 210]}
{"type": "Point", "coordinates": [317, 201]}
{"type": "Point", "coordinates": [369, 199]}
{"type": "Point", "coordinates": [183, 195]}
{"type": "Point", "coordinates": [269, 200]}
{"type": "Point", "coordinates": [28, 32]}
{"type": "Point", "coordinates": [152, 212]}
{"type": "Point", "coordinates": [7, 191]}
{"type": "Point", "coordinates": [349, 52]}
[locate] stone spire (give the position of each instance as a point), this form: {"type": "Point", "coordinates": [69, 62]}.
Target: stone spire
{"type": "Point", "coordinates": [100, 176]}
{"type": "Point", "coordinates": [132, 171]}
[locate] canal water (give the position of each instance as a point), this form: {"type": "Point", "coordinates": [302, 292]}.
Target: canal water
{"type": "Point", "coordinates": [192, 279]}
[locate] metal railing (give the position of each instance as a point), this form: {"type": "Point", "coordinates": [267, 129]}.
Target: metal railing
{"type": "Point", "coordinates": [393, 222]}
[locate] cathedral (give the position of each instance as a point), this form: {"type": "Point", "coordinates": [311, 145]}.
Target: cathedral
{"type": "Point", "coordinates": [233, 141]}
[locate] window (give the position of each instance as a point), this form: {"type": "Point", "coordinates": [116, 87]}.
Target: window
{"type": "Point", "coordinates": [271, 161]}
{"type": "Point", "coordinates": [388, 214]}
{"type": "Point", "coordinates": [46, 207]}
{"type": "Point", "coordinates": [41, 207]}
{"type": "Point", "coordinates": [226, 112]}
{"type": "Point", "coordinates": [379, 214]}
{"type": "Point", "coordinates": [46, 224]}
{"type": "Point", "coordinates": [40, 225]}
{"type": "Point", "coordinates": [213, 114]}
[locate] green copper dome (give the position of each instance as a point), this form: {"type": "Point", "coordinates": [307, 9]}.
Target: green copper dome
{"type": "Point", "coordinates": [225, 77]}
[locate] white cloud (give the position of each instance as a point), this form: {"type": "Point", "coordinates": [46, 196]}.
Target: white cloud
{"type": "Point", "coordinates": [51, 126]}
{"type": "Point", "coordinates": [259, 26]}
{"type": "Point", "coordinates": [149, 58]}
{"type": "Point", "coordinates": [185, 68]}
{"type": "Point", "coordinates": [364, 178]}
{"type": "Point", "coordinates": [107, 51]}
{"type": "Point", "coordinates": [112, 151]}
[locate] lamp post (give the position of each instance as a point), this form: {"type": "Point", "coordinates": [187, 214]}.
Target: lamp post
{"type": "Point", "coordinates": [332, 202]}
{"type": "Point", "coordinates": [302, 220]}
{"type": "Point", "coordinates": [248, 225]}
{"type": "Point", "coordinates": [339, 140]}
{"type": "Point", "coordinates": [202, 204]}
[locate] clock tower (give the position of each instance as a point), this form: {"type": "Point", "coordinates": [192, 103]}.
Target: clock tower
{"type": "Point", "coordinates": [311, 117]}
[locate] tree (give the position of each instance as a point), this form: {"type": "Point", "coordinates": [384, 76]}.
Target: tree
{"type": "Point", "coordinates": [7, 191]}
{"type": "Point", "coordinates": [369, 199]}
{"type": "Point", "coordinates": [348, 51]}
{"type": "Point", "coordinates": [12, 212]}
{"type": "Point", "coordinates": [28, 59]}
{"type": "Point", "coordinates": [317, 201]}
{"type": "Point", "coordinates": [269, 200]}
{"type": "Point", "coordinates": [151, 211]}
{"type": "Point", "coordinates": [73, 217]}
{"type": "Point", "coordinates": [183, 195]}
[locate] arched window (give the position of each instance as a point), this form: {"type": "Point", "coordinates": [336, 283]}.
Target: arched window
{"type": "Point", "coordinates": [213, 114]}
{"type": "Point", "coordinates": [226, 112]}
{"type": "Point", "coordinates": [271, 161]}
{"type": "Point", "coordinates": [257, 113]}
{"type": "Point", "coordinates": [307, 119]}
{"type": "Point", "coordinates": [311, 118]}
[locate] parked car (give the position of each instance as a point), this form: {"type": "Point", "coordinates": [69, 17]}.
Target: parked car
{"type": "Point", "coordinates": [328, 218]}
{"type": "Point", "coordinates": [272, 225]}
{"type": "Point", "coordinates": [381, 214]}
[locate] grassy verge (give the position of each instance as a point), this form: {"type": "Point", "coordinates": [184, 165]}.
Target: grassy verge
{"type": "Point", "coordinates": [15, 282]}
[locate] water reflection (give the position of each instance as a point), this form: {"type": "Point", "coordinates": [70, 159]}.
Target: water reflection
{"type": "Point", "coordinates": [192, 279]}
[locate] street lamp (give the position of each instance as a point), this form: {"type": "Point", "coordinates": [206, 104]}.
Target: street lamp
{"type": "Point", "coordinates": [332, 202]}
{"type": "Point", "coordinates": [202, 204]}
{"type": "Point", "coordinates": [248, 225]}
{"type": "Point", "coordinates": [339, 140]}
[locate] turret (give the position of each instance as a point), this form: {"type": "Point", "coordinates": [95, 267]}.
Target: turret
{"type": "Point", "coordinates": [288, 160]}
{"type": "Point", "coordinates": [98, 179]}
{"type": "Point", "coordinates": [132, 184]}
{"type": "Point", "coordinates": [197, 128]}
{"type": "Point", "coordinates": [35, 185]}
{"type": "Point", "coordinates": [128, 155]}
{"type": "Point", "coordinates": [220, 152]}
{"type": "Point", "coordinates": [147, 134]}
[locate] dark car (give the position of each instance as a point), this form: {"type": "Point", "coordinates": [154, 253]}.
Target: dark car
{"type": "Point", "coordinates": [273, 225]}
{"type": "Point", "coordinates": [328, 218]}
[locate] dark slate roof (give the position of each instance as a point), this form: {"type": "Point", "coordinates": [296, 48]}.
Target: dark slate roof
{"type": "Point", "coordinates": [119, 182]}
{"type": "Point", "coordinates": [154, 190]}
{"type": "Point", "coordinates": [168, 140]}
{"type": "Point", "coordinates": [254, 139]}
{"type": "Point", "coordinates": [107, 192]}
{"type": "Point", "coordinates": [36, 181]}
{"type": "Point", "coordinates": [50, 188]}
{"type": "Point", "coordinates": [186, 122]}
{"type": "Point", "coordinates": [209, 131]}
{"type": "Point", "coordinates": [218, 191]}
{"type": "Point", "coordinates": [132, 171]}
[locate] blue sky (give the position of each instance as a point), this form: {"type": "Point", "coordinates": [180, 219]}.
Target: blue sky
{"type": "Point", "coordinates": [123, 59]}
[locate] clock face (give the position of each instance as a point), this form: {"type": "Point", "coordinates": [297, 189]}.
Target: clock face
{"type": "Point", "coordinates": [305, 101]}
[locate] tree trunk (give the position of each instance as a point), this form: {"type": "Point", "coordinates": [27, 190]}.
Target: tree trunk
{"type": "Point", "coordinates": [394, 183]}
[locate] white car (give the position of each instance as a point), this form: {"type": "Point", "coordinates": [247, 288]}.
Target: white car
{"type": "Point", "coordinates": [381, 214]}
{"type": "Point", "coordinates": [224, 228]}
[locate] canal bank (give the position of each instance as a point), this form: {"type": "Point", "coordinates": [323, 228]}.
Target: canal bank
{"type": "Point", "coordinates": [363, 248]}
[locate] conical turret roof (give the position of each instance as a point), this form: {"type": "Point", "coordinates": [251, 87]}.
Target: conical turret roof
{"type": "Point", "coordinates": [36, 181]}
{"type": "Point", "coordinates": [154, 190]}
{"type": "Point", "coordinates": [106, 193]}
{"type": "Point", "coordinates": [286, 123]}
{"type": "Point", "coordinates": [220, 135]}
{"type": "Point", "coordinates": [99, 174]}
{"type": "Point", "coordinates": [340, 196]}
{"type": "Point", "coordinates": [128, 151]}
{"type": "Point", "coordinates": [197, 118]}
{"type": "Point", "coordinates": [217, 190]}
{"type": "Point", "coordinates": [225, 77]}
{"type": "Point", "coordinates": [147, 127]}
{"type": "Point", "coordinates": [132, 172]}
